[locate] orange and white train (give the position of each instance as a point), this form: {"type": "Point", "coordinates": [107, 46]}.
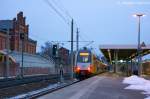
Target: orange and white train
{"type": "Point", "coordinates": [88, 64]}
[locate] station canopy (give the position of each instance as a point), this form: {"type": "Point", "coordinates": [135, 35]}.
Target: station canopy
{"type": "Point", "coordinates": [123, 52]}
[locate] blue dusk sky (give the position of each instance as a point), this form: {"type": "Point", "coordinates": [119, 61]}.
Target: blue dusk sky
{"type": "Point", "coordinates": [101, 21]}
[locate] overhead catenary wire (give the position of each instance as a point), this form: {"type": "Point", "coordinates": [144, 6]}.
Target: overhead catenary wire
{"type": "Point", "coordinates": [65, 11]}
{"type": "Point", "coordinates": [57, 12]}
{"type": "Point", "coordinates": [57, 7]}
{"type": "Point", "coordinates": [62, 8]}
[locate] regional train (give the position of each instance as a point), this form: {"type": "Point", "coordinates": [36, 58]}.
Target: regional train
{"type": "Point", "coordinates": [88, 64]}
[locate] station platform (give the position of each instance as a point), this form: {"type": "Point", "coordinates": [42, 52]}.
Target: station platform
{"type": "Point", "coordinates": [104, 86]}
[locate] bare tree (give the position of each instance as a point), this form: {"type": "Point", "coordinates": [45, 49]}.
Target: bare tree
{"type": "Point", "coordinates": [46, 50]}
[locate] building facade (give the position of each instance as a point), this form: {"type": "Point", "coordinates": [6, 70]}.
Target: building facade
{"type": "Point", "coordinates": [2, 40]}
{"type": "Point", "coordinates": [64, 54]}
{"type": "Point", "coordinates": [16, 27]}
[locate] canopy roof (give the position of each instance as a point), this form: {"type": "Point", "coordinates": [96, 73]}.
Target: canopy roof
{"type": "Point", "coordinates": [124, 52]}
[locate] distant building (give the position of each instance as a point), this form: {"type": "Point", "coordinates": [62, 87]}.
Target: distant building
{"type": "Point", "coordinates": [16, 26]}
{"type": "Point", "coordinates": [64, 54]}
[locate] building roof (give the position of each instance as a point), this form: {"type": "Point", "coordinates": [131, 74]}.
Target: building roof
{"type": "Point", "coordinates": [6, 24]}
{"type": "Point", "coordinates": [2, 31]}
{"type": "Point", "coordinates": [125, 52]}
{"type": "Point", "coordinates": [32, 41]}
{"type": "Point", "coordinates": [30, 60]}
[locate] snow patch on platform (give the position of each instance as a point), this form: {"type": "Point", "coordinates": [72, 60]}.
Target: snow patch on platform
{"type": "Point", "coordinates": [138, 83]}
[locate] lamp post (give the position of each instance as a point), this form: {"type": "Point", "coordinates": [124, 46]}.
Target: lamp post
{"type": "Point", "coordinates": [139, 15]}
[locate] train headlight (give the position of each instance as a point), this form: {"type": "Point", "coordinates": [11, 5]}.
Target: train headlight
{"type": "Point", "coordinates": [78, 68]}
{"type": "Point", "coordinates": [89, 69]}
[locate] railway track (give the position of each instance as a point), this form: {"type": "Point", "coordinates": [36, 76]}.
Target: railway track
{"type": "Point", "coordinates": [10, 82]}
{"type": "Point", "coordinates": [36, 89]}
{"type": "Point", "coordinates": [46, 91]}
{"type": "Point", "coordinates": [14, 86]}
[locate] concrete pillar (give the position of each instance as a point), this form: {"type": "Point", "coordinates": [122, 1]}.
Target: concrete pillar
{"type": "Point", "coordinates": [127, 71]}
{"type": "Point", "coordinates": [114, 65]}
{"type": "Point", "coordinates": [116, 61]}
{"type": "Point", "coordinates": [131, 66]}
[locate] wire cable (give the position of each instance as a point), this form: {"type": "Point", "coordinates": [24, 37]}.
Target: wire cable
{"type": "Point", "coordinates": [57, 12]}
{"type": "Point", "coordinates": [64, 10]}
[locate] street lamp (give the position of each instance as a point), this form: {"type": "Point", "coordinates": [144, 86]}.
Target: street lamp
{"type": "Point", "coordinates": [139, 15]}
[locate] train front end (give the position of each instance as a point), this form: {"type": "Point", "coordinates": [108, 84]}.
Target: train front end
{"type": "Point", "coordinates": [83, 63]}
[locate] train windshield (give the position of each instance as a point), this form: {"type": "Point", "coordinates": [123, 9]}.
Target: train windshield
{"type": "Point", "coordinates": [84, 57]}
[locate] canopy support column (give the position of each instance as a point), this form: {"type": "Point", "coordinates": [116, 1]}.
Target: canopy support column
{"type": "Point", "coordinates": [116, 61]}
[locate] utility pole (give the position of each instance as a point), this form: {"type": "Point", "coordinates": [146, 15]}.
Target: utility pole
{"type": "Point", "coordinates": [22, 37]}
{"type": "Point", "coordinates": [77, 39]}
{"type": "Point", "coordinates": [7, 55]}
{"type": "Point", "coordinates": [72, 71]}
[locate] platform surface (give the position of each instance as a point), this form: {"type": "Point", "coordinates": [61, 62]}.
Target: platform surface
{"type": "Point", "coordinates": [98, 87]}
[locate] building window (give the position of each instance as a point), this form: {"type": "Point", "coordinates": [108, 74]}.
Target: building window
{"type": "Point", "coordinates": [1, 58]}
{"type": "Point", "coordinates": [1, 43]}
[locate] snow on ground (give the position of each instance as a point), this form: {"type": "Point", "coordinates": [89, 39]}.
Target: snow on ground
{"type": "Point", "coordinates": [138, 83]}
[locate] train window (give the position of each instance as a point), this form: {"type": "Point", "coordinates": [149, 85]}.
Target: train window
{"type": "Point", "coordinates": [84, 58]}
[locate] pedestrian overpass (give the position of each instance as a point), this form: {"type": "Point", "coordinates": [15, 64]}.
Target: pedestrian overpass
{"type": "Point", "coordinates": [116, 54]}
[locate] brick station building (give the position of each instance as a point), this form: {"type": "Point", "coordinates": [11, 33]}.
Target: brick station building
{"type": "Point", "coordinates": [2, 40]}
{"type": "Point", "coordinates": [10, 31]}
{"type": "Point", "coordinates": [16, 27]}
